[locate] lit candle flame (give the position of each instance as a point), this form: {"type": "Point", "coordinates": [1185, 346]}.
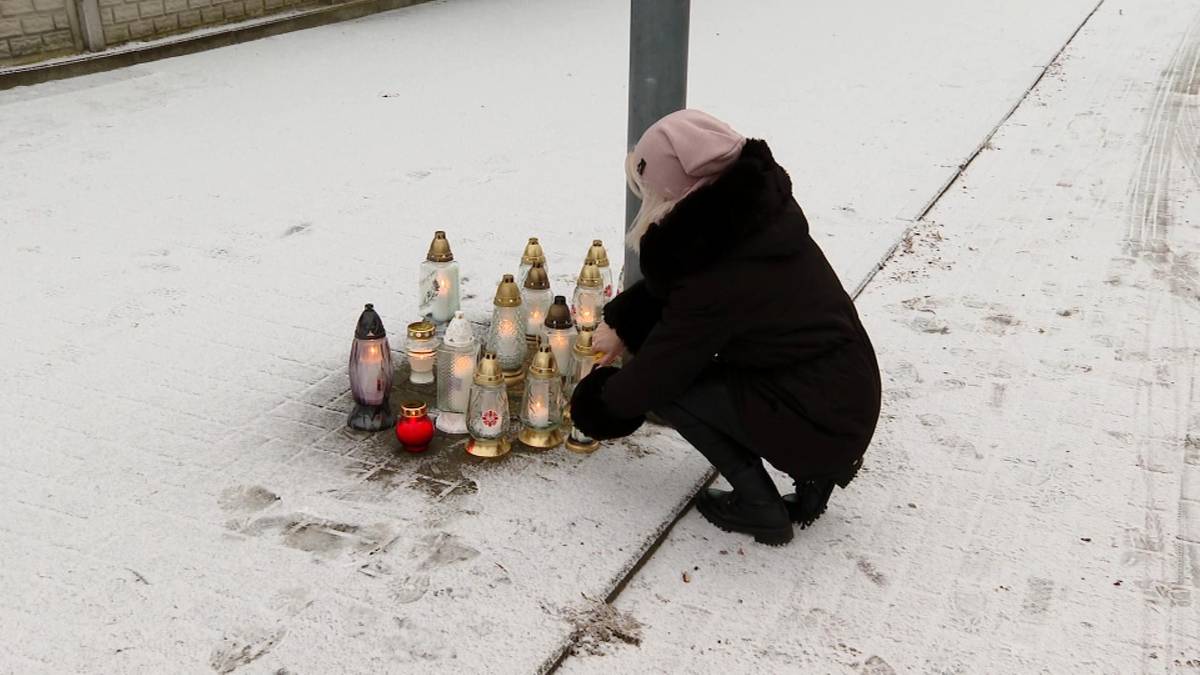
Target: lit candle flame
{"type": "Point", "coordinates": [539, 416]}
{"type": "Point", "coordinates": [464, 366]}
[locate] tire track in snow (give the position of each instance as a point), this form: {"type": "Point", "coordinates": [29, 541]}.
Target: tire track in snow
{"type": "Point", "coordinates": [1172, 139]}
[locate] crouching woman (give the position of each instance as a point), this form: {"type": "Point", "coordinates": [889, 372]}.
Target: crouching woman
{"type": "Point", "coordinates": [741, 335]}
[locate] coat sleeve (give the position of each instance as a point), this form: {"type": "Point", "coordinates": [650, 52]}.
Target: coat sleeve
{"type": "Point", "coordinates": [633, 314]}
{"type": "Point", "coordinates": [678, 349]}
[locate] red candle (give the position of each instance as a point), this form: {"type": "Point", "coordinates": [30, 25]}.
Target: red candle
{"type": "Point", "coordinates": [414, 429]}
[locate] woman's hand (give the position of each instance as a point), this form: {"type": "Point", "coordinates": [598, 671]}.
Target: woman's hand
{"type": "Point", "coordinates": [606, 341]}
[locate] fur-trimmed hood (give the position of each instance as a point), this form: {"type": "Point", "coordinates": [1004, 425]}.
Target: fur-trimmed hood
{"type": "Point", "coordinates": [742, 214]}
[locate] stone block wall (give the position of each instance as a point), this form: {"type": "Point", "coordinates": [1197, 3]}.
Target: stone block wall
{"type": "Point", "coordinates": [33, 27]}
{"type": "Point", "coordinates": [32, 30]}
{"type": "Point", "coordinates": [126, 20]}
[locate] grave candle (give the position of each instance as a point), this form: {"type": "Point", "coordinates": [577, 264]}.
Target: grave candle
{"type": "Point", "coordinates": [370, 373]}
{"type": "Point", "coordinates": [439, 291]}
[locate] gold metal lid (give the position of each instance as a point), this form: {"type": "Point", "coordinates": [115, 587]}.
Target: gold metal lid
{"type": "Point", "coordinates": [507, 293]}
{"type": "Point", "coordinates": [597, 255]}
{"type": "Point", "coordinates": [439, 248]}
{"type": "Point", "coordinates": [537, 279]}
{"type": "Point", "coordinates": [421, 330]}
{"type": "Point", "coordinates": [583, 342]}
{"type": "Point", "coordinates": [589, 276]}
{"type": "Point", "coordinates": [489, 373]}
{"type": "Point", "coordinates": [413, 409]}
{"type": "Point", "coordinates": [533, 253]}
{"type": "Point", "coordinates": [559, 315]}
{"type": "Point", "coordinates": [543, 364]}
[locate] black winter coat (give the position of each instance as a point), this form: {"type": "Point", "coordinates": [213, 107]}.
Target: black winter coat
{"type": "Point", "coordinates": [733, 282]}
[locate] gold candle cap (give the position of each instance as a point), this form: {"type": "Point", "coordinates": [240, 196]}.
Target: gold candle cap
{"type": "Point", "coordinates": [543, 364]}
{"type": "Point", "coordinates": [439, 248]}
{"type": "Point", "coordinates": [559, 315]}
{"type": "Point", "coordinates": [537, 279]}
{"type": "Point", "coordinates": [589, 276]}
{"type": "Point", "coordinates": [597, 255]}
{"type": "Point", "coordinates": [533, 253]}
{"type": "Point", "coordinates": [413, 409]}
{"type": "Point", "coordinates": [421, 330]}
{"type": "Point", "coordinates": [489, 373]}
{"type": "Point", "coordinates": [583, 342]}
{"type": "Point", "coordinates": [507, 293]}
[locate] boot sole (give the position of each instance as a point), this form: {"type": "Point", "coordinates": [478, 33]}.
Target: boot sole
{"type": "Point", "coordinates": [793, 508]}
{"type": "Point", "coordinates": [769, 536]}
{"type": "Point", "coordinates": [797, 517]}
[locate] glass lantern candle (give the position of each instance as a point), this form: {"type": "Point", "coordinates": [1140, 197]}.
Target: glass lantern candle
{"type": "Point", "coordinates": [576, 440]}
{"type": "Point", "coordinates": [455, 371]}
{"type": "Point", "coordinates": [414, 430]}
{"type": "Point", "coordinates": [583, 359]}
{"type": "Point", "coordinates": [588, 300]}
{"type": "Point", "coordinates": [541, 407]}
{"type": "Point", "coordinates": [439, 291]}
{"type": "Point", "coordinates": [370, 374]}
{"type": "Point", "coordinates": [422, 352]}
{"type": "Point", "coordinates": [584, 356]}
{"type": "Point", "coordinates": [597, 255]}
{"type": "Point", "coordinates": [532, 255]}
{"type": "Point", "coordinates": [506, 337]}
{"type": "Point", "coordinates": [535, 302]}
{"type": "Point", "coordinates": [559, 332]}
{"type": "Point", "coordinates": [487, 414]}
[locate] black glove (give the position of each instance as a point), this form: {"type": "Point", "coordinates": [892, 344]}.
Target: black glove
{"type": "Point", "coordinates": [591, 416]}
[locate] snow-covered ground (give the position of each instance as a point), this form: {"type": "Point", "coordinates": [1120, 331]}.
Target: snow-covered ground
{"type": "Point", "coordinates": [185, 246]}
{"type": "Point", "coordinates": [1032, 501]}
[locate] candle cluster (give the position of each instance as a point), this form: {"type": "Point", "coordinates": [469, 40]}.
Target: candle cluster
{"type": "Point", "coordinates": [535, 338]}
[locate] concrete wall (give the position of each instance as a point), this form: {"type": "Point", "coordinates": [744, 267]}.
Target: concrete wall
{"type": "Point", "coordinates": [32, 30]}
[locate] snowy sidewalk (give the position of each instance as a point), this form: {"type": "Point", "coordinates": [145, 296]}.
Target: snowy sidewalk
{"type": "Point", "coordinates": [185, 247]}
{"type": "Point", "coordinates": [1032, 500]}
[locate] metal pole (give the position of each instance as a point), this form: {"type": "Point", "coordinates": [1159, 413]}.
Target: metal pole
{"type": "Point", "coordinates": [658, 57]}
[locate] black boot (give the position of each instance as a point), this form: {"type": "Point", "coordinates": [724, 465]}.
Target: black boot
{"type": "Point", "coordinates": [709, 419]}
{"type": "Point", "coordinates": [754, 507]}
{"type": "Point", "coordinates": [812, 496]}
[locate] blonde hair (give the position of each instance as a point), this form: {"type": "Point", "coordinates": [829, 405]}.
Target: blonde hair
{"type": "Point", "coordinates": [654, 206]}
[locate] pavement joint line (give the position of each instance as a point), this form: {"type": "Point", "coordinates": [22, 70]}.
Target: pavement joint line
{"type": "Point", "coordinates": [552, 665]}
{"type": "Point", "coordinates": [961, 168]}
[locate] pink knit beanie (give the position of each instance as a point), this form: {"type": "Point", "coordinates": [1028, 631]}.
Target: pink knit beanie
{"type": "Point", "coordinates": [684, 151]}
